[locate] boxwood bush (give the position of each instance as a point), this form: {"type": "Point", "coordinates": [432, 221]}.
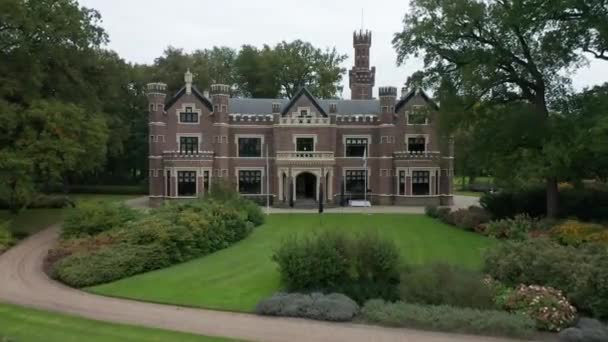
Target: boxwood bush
{"type": "Point", "coordinates": [331, 307]}
{"type": "Point", "coordinates": [440, 283]}
{"type": "Point", "coordinates": [361, 267]}
{"type": "Point", "coordinates": [173, 234]}
{"type": "Point", "coordinates": [94, 218]}
{"type": "Point", "coordinates": [447, 318]}
{"type": "Point", "coordinates": [581, 273]}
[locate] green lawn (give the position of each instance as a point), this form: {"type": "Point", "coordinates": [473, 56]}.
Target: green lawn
{"type": "Point", "coordinates": [237, 278]}
{"type": "Point", "coordinates": [31, 221]}
{"type": "Point", "coordinates": [22, 325]}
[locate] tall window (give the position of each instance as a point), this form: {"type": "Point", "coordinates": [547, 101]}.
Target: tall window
{"type": "Point", "coordinates": [250, 182]}
{"type": "Point", "coordinates": [305, 144]}
{"type": "Point", "coordinates": [355, 147]}
{"type": "Point", "coordinates": [401, 190]}
{"type": "Point", "coordinates": [250, 147]}
{"type": "Point", "coordinates": [186, 183]}
{"type": "Point", "coordinates": [206, 181]}
{"type": "Point", "coordinates": [421, 183]}
{"type": "Point", "coordinates": [416, 144]}
{"type": "Point", "coordinates": [188, 116]}
{"type": "Point", "coordinates": [168, 180]}
{"type": "Point", "coordinates": [355, 183]}
{"type": "Point", "coordinates": [188, 144]}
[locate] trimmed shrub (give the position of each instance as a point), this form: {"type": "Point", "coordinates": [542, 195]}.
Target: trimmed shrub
{"type": "Point", "coordinates": [6, 238]}
{"type": "Point", "coordinates": [173, 234]}
{"type": "Point", "coordinates": [362, 267]}
{"type": "Point", "coordinates": [332, 307]}
{"type": "Point", "coordinates": [581, 273]}
{"type": "Point", "coordinates": [42, 201]}
{"type": "Point", "coordinates": [575, 233]}
{"type": "Point", "coordinates": [94, 218]}
{"type": "Point", "coordinates": [546, 305]}
{"type": "Point", "coordinates": [469, 218]}
{"type": "Point", "coordinates": [585, 204]}
{"type": "Point", "coordinates": [105, 189]}
{"type": "Point", "coordinates": [516, 228]}
{"type": "Point", "coordinates": [447, 318]}
{"type": "Point", "coordinates": [438, 284]}
{"type": "Point", "coordinates": [431, 211]}
{"type": "Point", "coordinates": [320, 261]}
{"type": "Point", "coordinates": [586, 330]}
{"type": "Point", "coordinates": [109, 264]}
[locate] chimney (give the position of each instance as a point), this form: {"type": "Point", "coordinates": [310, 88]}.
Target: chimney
{"type": "Point", "coordinates": [188, 80]}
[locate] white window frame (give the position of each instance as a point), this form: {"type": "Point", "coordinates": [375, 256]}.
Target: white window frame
{"type": "Point", "coordinates": [295, 137]}
{"type": "Point", "coordinates": [412, 135]}
{"type": "Point", "coordinates": [174, 174]}
{"type": "Point", "coordinates": [195, 110]}
{"type": "Point", "coordinates": [191, 135]}
{"type": "Point", "coordinates": [356, 136]}
{"type": "Point", "coordinates": [434, 183]}
{"type": "Point", "coordinates": [258, 136]}
{"type": "Point", "coordinates": [244, 168]}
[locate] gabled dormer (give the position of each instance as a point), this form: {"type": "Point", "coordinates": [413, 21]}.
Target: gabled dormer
{"type": "Point", "coordinates": [303, 105]}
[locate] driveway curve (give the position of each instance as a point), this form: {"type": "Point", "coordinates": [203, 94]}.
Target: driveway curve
{"type": "Point", "coordinates": [23, 282]}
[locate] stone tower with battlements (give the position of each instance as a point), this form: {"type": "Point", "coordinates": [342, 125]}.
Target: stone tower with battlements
{"type": "Point", "coordinates": [361, 77]}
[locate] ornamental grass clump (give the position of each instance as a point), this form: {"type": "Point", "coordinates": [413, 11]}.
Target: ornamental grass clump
{"type": "Point", "coordinates": [547, 306]}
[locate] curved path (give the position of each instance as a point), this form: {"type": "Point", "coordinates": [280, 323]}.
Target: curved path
{"type": "Point", "coordinates": [23, 282]}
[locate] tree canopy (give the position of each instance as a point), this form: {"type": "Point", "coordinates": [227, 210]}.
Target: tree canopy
{"type": "Point", "coordinates": [507, 61]}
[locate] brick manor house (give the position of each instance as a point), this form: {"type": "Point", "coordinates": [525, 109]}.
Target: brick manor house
{"type": "Point", "coordinates": [304, 146]}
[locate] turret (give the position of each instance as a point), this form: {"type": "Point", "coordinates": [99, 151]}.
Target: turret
{"type": "Point", "coordinates": [220, 93]}
{"type": "Point", "coordinates": [361, 77]}
{"type": "Point", "coordinates": [388, 96]}
{"type": "Point", "coordinates": [156, 94]}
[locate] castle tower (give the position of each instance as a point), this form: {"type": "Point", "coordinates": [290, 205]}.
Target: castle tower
{"type": "Point", "coordinates": [157, 121]}
{"type": "Point", "coordinates": [361, 77]}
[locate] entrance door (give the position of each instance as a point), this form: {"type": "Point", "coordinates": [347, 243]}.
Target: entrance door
{"type": "Point", "coordinates": [306, 186]}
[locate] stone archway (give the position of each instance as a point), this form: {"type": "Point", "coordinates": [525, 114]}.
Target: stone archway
{"type": "Point", "coordinates": [306, 186]}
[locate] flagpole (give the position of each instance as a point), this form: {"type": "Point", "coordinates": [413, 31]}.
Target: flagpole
{"type": "Point", "coordinates": [267, 183]}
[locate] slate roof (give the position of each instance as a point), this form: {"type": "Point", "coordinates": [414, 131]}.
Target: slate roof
{"type": "Point", "coordinates": [264, 106]}
{"type": "Point", "coordinates": [196, 93]}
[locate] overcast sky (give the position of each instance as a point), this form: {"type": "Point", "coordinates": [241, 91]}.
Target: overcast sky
{"type": "Point", "coordinates": [141, 29]}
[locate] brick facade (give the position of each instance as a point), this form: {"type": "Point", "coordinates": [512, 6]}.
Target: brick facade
{"type": "Point", "coordinates": [302, 146]}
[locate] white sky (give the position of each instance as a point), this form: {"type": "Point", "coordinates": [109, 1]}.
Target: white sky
{"type": "Point", "coordinates": [141, 29]}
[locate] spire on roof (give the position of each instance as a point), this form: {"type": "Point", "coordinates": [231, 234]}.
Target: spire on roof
{"type": "Point", "coordinates": [188, 80]}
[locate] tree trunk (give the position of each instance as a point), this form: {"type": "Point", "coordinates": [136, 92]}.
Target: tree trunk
{"type": "Point", "coordinates": [552, 198]}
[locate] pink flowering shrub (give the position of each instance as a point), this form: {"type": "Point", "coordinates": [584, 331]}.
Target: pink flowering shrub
{"type": "Point", "coordinates": [546, 305]}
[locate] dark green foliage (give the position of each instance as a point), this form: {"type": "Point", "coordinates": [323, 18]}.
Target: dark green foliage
{"type": "Point", "coordinates": [586, 204]}
{"type": "Point", "coordinates": [332, 307]}
{"type": "Point", "coordinates": [431, 211]}
{"type": "Point", "coordinates": [6, 238]}
{"type": "Point", "coordinates": [444, 284]}
{"type": "Point", "coordinates": [109, 264]}
{"type": "Point", "coordinates": [447, 318]}
{"type": "Point", "coordinates": [362, 267]}
{"type": "Point", "coordinates": [224, 192]}
{"type": "Point", "coordinates": [108, 189]}
{"type": "Point", "coordinates": [516, 228]}
{"type": "Point", "coordinates": [94, 218]}
{"type": "Point", "coordinates": [41, 201]}
{"type": "Point", "coordinates": [581, 273]}
{"type": "Point", "coordinates": [144, 242]}
{"type": "Point", "coordinates": [321, 261]}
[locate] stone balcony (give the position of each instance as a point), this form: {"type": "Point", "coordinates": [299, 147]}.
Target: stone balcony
{"type": "Point", "coordinates": [179, 155]}
{"type": "Point", "coordinates": [422, 155]}
{"type": "Point", "coordinates": [305, 157]}
{"type": "Point", "coordinates": [318, 121]}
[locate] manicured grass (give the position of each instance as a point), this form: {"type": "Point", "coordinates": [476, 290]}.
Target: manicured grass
{"type": "Point", "coordinates": [22, 325]}
{"type": "Point", "coordinates": [238, 277]}
{"type": "Point", "coordinates": [30, 221]}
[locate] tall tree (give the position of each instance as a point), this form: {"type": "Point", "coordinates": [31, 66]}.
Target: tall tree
{"type": "Point", "coordinates": [300, 64]}
{"type": "Point", "coordinates": [504, 51]}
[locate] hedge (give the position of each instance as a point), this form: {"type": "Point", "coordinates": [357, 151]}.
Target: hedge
{"type": "Point", "coordinates": [332, 307]}
{"type": "Point", "coordinates": [585, 204]}
{"type": "Point", "coordinates": [447, 318]}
